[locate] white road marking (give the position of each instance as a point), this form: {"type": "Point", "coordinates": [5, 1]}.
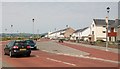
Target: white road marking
{"type": "Point", "coordinates": [82, 56]}
{"type": "Point", "coordinates": [45, 50]}
{"type": "Point", "coordinates": [36, 56]}
{"type": "Point", "coordinates": [61, 61]}
{"type": "Point", "coordinates": [59, 53]}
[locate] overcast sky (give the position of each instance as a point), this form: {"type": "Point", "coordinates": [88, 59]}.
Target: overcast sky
{"type": "Point", "coordinates": [60, 0]}
{"type": "Point", "coordinates": [51, 15]}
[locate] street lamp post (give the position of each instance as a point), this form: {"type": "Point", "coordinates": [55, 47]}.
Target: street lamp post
{"type": "Point", "coordinates": [108, 10]}
{"type": "Point", "coordinates": [11, 31]}
{"type": "Point", "coordinates": [37, 33]}
{"type": "Point", "coordinates": [17, 34]}
{"type": "Point", "coordinates": [55, 33]}
{"type": "Point", "coordinates": [33, 28]}
{"type": "Point", "coordinates": [6, 33]}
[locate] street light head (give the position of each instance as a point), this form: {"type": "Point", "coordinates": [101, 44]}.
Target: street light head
{"type": "Point", "coordinates": [11, 25]}
{"type": "Point", "coordinates": [5, 29]}
{"type": "Point", "coordinates": [33, 20]}
{"type": "Point", "coordinates": [108, 9]}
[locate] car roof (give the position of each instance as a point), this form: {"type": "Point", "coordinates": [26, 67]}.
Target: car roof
{"type": "Point", "coordinates": [19, 40]}
{"type": "Point", "coordinates": [28, 40]}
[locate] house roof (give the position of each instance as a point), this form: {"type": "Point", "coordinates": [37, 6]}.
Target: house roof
{"type": "Point", "coordinates": [80, 30]}
{"type": "Point", "coordinates": [116, 23]}
{"type": "Point", "coordinates": [61, 30]}
{"type": "Point", "coordinates": [118, 26]}
{"type": "Point", "coordinates": [101, 22]}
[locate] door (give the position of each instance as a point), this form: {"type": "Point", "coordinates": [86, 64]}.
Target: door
{"type": "Point", "coordinates": [6, 49]}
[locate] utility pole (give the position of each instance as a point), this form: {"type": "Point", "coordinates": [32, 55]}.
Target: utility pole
{"type": "Point", "coordinates": [108, 10]}
{"type": "Point", "coordinates": [33, 29]}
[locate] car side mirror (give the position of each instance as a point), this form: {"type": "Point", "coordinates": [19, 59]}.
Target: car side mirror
{"type": "Point", "coordinates": [6, 46]}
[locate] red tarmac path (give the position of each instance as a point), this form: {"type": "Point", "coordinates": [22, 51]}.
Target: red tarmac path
{"type": "Point", "coordinates": [95, 52]}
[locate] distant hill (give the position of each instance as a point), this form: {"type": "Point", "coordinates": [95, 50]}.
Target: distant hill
{"type": "Point", "coordinates": [16, 34]}
{"type": "Point", "coordinates": [21, 34]}
{"type": "Point", "coordinates": [42, 35]}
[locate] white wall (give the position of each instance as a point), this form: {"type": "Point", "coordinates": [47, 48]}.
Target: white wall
{"type": "Point", "coordinates": [74, 35]}
{"type": "Point", "coordinates": [86, 32]}
{"type": "Point", "coordinates": [93, 28]}
{"type": "Point", "coordinates": [56, 35]}
{"type": "Point", "coordinates": [98, 31]}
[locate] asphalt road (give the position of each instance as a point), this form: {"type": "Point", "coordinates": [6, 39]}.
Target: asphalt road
{"type": "Point", "coordinates": [53, 54]}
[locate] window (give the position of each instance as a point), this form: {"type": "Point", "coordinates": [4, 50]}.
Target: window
{"type": "Point", "coordinates": [112, 29]}
{"type": "Point", "coordinates": [104, 31]}
{"type": "Point", "coordinates": [62, 33]}
{"type": "Point", "coordinates": [93, 32]}
{"type": "Point", "coordinates": [104, 26]}
{"type": "Point", "coordinates": [9, 44]}
{"type": "Point", "coordinates": [109, 38]}
{"type": "Point", "coordinates": [115, 38]}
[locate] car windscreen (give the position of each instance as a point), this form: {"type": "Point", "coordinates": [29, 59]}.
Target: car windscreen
{"type": "Point", "coordinates": [20, 43]}
{"type": "Point", "coordinates": [30, 42]}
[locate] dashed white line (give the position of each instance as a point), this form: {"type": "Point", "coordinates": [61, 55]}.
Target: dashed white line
{"type": "Point", "coordinates": [61, 61]}
{"type": "Point", "coordinates": [36, 56]}
{"type": "Point", "coordinates": [45, 50]}
{"type": "Point", "coordinates": [59, 53]}
{"type": "Point", "coordinates": [82, 56]}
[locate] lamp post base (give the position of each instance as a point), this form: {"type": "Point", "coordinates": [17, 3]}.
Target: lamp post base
{"type": "Point", "coordinates": [106, 50]}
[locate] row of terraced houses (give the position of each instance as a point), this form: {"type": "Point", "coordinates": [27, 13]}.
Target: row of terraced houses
{"type": "Point", "coordinates": [96, 31]}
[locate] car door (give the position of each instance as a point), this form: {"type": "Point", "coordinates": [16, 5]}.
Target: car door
{"type": "Point", "coordinates": [7, 48]}
{"type": "Point", "coordinates": [10, 45]}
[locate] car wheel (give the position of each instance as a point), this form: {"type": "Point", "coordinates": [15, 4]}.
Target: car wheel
{"type": "Point", "coordinates": [28, 55]}
{"type": "Point", "coordinates": [35, 48]}
{"type": "Point", "coordinates": [10, 54]}
{"type": "Point", "coordinates": [5, 54]}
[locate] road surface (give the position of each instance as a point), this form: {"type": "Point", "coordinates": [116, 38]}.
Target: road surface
{"type": "Point", "coordinates": [51, 54]}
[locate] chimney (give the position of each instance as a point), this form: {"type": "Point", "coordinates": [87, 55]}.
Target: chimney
{"type": "Point", "coordinates": [67, 26]}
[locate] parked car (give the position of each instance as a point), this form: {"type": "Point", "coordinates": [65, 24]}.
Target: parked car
{"type": "Point", "coordinates": [60, 40]}
{"type": "Point", "coordinates": [118, 42]}
{"type": "Point", "coordinates": [17, 47]}
{"type": "Point", "coordinates": [31, 43]}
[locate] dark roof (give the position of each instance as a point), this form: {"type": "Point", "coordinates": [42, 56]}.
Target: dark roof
{"type": "Point", "coordinates": [118, 20]}
{"type": "Point", "coordinates": [61, 30]}
{"type": "Point", "coordinates": [80, 30]}
{"type": "Point", "coordinates": [118, 26]}
{"type": "Point", "coordinates": [101, 22]}
{"type": "Point", "coordinates": [116, 23]}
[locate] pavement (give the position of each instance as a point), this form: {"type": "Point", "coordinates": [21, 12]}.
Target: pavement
{"type": "Point", "coordinates": [53, 47]}
{"type": "Point", "coordinates": [95, 47]}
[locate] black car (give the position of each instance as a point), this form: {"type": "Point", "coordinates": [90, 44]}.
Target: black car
{"type": "Point", "coordinates": [118, 42]}
{"type": "Point", "coordinates": [17, 47]}
{"type": "Point", "coordinates": [32, 44]}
